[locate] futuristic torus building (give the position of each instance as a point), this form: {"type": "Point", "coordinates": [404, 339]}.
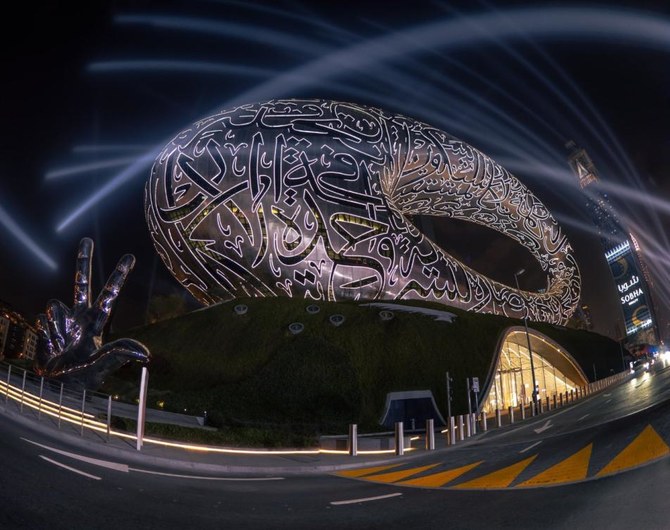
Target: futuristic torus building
{"type": "Point", "coordinates": [312, 198]}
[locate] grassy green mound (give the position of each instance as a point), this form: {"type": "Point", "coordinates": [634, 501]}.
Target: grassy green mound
{"type": "Point", "coordinates": [251, 373]}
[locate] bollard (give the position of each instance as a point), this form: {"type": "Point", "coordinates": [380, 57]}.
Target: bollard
{"type": "Point", "coordinates": [572, 396]}
{"type": "Point", "coordinates": [109, 417]}
{"type": "Point", "coordinates": [430, 435]}
{"type": "Point", "coordinates": [548, 404]}
{"type": "Point", "coordinates": [461, 431]}
{"type": "Point", "coordinates": [540, 405]}
{"type": "Point", "coordinates": [511, 414]}
{"type": "Point", "coordinates": [522, 410]}
{"type": "Point", "coordinates": [399, 439]}
{"type": "Point", "coordinates": [468, 426]}
{"type": "Point", "coordinates": [483, 422]}
{"type": "Point", "coordinates": [452, 431]}
{"type": "Point", "coordinates": [554, 401]}
{"type": "Point", "coordinates": [353, 439]}
{"type": "Point", "coordinates": [473, 419]}
{"type": "Point", "coordinates": [498, 418]}
{"type": "Point", "coordinates": [142, 407]}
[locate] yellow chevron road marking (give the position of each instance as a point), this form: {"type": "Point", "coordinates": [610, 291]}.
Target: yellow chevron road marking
{"type": "Point", "coordinates": [571, 469]}
{"type": "Point", "coordinates": [498, 479]}
{"type": "Point", "coordinates": [439, 479]}
{"type": "Point", "coordinates": [646, 447]}
{"type": "Point", "coordinates": [394, 476]}
{"type": "Point", "coordinates": [355, 473]}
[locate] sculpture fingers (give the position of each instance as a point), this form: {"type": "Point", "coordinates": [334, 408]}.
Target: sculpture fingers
{"type": "Point", "coordinates": [82, 278]}
{"type": "Point", "coordinates": [91, 372]}
{"type": "Point", "coordinates": [129, 349]}
{"type": "Point", "coordinates": [73, 350]}
{"type": "Point", "coordinates": [47, 352]}
{"type": "Point", "coordinates": [57, 315]}
{"type": "Point", "coordinates": [105, 300]}
{"type": "Point", "coordinates": [107, 360]}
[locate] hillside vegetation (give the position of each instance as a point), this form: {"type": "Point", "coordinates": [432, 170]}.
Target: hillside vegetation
{"type": "Point", "coordinates": [251, 372]}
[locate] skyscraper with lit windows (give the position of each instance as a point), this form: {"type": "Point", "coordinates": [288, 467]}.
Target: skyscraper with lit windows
{"type": "Point", "coordinates": [622, 252]}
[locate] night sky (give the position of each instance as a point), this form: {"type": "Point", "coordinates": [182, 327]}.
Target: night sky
{"type": "Point", "coordinates": [87, 91]}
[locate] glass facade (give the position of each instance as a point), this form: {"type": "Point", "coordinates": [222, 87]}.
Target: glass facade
{"type": "Point", "coordinates": [555, 371]}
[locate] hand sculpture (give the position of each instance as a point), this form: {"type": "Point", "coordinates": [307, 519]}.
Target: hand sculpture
{"type": "Point", "coordinates": [74, 352]}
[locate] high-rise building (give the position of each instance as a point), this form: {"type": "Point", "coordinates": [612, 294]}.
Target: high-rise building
{"type": "Point", "coordinates": [622, 252]}
{"type": "Point", "coordinates": [18, 339]}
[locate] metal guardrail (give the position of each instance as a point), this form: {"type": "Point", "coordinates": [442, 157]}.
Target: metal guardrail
{"type": "Point", "coordinates": [81, 410]}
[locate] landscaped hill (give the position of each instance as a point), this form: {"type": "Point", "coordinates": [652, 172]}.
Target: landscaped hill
{"type": "Point", "coordinates": [251, 370]}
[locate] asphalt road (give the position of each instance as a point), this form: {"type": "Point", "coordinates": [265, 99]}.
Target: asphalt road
{"type": "Point", "coordinates": [45, 483]}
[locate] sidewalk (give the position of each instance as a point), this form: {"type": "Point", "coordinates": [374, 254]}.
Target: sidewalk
{"type": "Point", "coordinates": [216, 461]}
{"type": "Point", "coordinates": [86, 431]}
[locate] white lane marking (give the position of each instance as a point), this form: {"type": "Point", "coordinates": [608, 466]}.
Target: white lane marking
{"type": "Point", "coordinates": [530, 447]}
{"type": "Point", "coordinates": [547, 425]}
{"type": "Point", "coordinates": [584, 416]}
{"type": "Point", "coordinates": [607, 395]}
{"type": "Point", "coordinates": [69, 468]}
{"type": "Point", "coordinates": [94, 461]}
{"type": "Point", "coordinates": [203, 477]}
{"type": "Point", "coordinates": [606, 402]}
{"type": "Point", "coordinates": [125, 469]}
{"type": "Point", "coordinates": [366, 499]}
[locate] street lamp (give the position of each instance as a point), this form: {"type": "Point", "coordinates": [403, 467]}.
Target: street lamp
{"type": "Point", "coordinates": [530, 352]}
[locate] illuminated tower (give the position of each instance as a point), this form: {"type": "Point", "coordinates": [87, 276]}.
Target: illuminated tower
{"type": "Point", "coordinates": [622, 252]}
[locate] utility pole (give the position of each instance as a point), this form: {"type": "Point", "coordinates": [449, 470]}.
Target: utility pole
{"type": "Point", "coordinates": [448, 397]}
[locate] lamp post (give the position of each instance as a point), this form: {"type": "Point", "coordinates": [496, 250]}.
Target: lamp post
{"type": "Point", "coordinates": [530, 352]}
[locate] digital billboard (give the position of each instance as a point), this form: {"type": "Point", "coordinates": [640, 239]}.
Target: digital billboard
{"type": "Point", "coordinates": [629, 283]}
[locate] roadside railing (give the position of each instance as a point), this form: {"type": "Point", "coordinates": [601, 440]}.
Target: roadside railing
{"type": "Point", "coordinates": [87, 411]}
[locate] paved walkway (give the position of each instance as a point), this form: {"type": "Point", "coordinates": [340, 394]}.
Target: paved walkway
{"type": "Point", "coordinates": [217, 460]}
{"type": "Point", "coordinates": [199, 459]}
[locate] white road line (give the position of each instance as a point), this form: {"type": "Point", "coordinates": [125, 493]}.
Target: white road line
{"type": "Point", "coordinates": [69, 468]}
{"type": "Point", "coordinates": [365, 499]}
{"type": "Point", "coordinates": [203, 477]}
{"type": "Point", "coordinates": [125, 468]}
{"type": "Point", "coordinates": [101, 463]}
{"type": "Point", "coordinates": [547, 425]}
{"type": "Point", "coordinates": [530, 447]}
{"type": "Point", "coordinates": [584, 416]}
